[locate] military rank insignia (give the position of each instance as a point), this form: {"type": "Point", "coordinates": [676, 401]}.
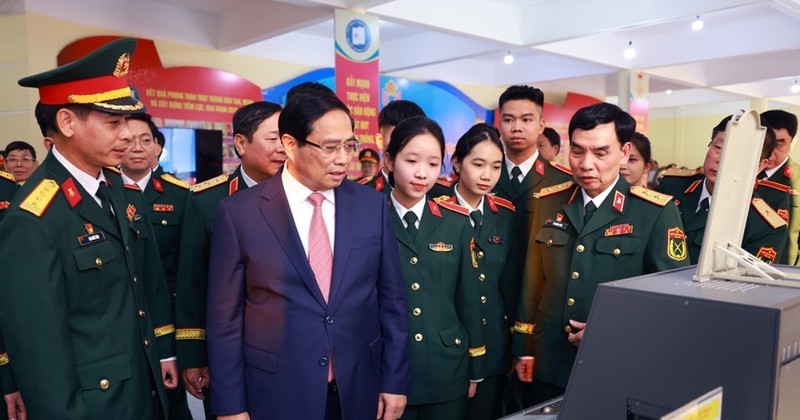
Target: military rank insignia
{"type": "Point", "coordinates": [168, 208]}
{"type": "Point", "coordinates": [539, 167]}
{"type": "Point", "coordinates": [440, 247]}
{"type": "Point", "coordinates": [496, 240]}
{"type": "Point", "coordinates": [767, 254]}
{"type": "Point", "coordinates": [4, 204]}
{"type": "Point", "coordinates": [619, 201]}
{"type": "Point", "coordinates": [158, 185]}
{"type": "Point", "coordinates": [130, 212]}
{"type": "Point", "coordinates": [784, 214]}
{"type": "Point", "coordinates": [676, 244]}
{"type": "Point", "coordinates": [787, 171]}
{"type": "Point", "coordinates": [617, 230]}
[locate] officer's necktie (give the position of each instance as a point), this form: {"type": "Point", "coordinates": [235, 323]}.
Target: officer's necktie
{"type": "Point", "coordinates": [477, 218]}
{"type": "Point", "coordinates": [762, 175]}
{"type": "Point", "coordinates": [703, 205]}
{"type": "Point", "coordinates": [411, 224]}
{"type": "Point", "coordinates": [515, 173]}
{"type": "Point", "coordinates": [104, 194]}
{"type": "Point", "coordinates": [588, 212]}
{"type": "Point", "coordinates": [320, 256]}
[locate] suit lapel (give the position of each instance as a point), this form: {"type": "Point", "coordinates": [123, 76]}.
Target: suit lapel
{"type": "Point", "coordinates": [275, 209]}
{"type": "Point", "coordinates": [343, 240]}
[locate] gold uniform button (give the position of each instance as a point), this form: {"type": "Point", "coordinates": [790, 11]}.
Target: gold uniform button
{"type": "Point", "coordinates": [480, 254]}
{"type": "Point", "coordinates": [458, 341]}
{"type": "Point", "coordinates": [141, 313]}
{"type": "Point", "coordinates": [616, 252]}
{"type": "Point", "coordinates": [418, 337]}
{"type": "Point", "coordinates": [416, 311]}
{"type": "Point", "coordinates": [127, 249]}
{"type": "Point", "coordinates": [135, 280]}
{"type": "Point", "coordinates": [549, 242]}
{"type": "Point", "coordinates": [485, 321]}
{"type": "Point", "coordinates": [482, 277]}
{"type": "Point", "coordinates": [104, 384]}
{"type": "Point", "coordinates": [413, 260]}
{"type": "Point", "coordinates": [414, 286]}
{"type": "Point", "coordinates": [570, 302]}
{"type": "Point", "coordinates": [146, 342]}
{"type": "Point", "coordinates": [98, 262]}
{"type": "Point", "coordinates": [568, 329]}
{"type": "Point", "coordinates": [580, 248]}
{"type": "Point", "coordinates": [164, 222]}
{"type": "Point", "coordinates": [483, 299]}
{"type": "Point", "coordinates": [575, 275]}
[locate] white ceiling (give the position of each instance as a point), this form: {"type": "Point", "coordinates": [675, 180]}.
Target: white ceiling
{"type": "Point", "coordinates": [748, 48]}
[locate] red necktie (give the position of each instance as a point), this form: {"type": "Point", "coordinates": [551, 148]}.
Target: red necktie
{"type": "Point", "coordinates": [320, 256]}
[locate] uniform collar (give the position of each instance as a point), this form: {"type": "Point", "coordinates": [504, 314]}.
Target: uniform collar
{"type": "Point", "coordinates": [525, 166]}
{"type": "Point", "coordinates": [772, 171]}
{"type": "Point", "coordinates": [417, 209]}
{"type": "Point", "coordinates": [142, 183]}
{"type": "Point", "coordinates": [464, 203]}
{"type": "Point", "coordinates": [600, 198]}
{"type": "Point", "coordinates": [88, 182]}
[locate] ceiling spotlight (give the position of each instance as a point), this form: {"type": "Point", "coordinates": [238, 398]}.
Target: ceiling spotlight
{"type": "Point", "coordinates": [629, 52]}
{"type": "Point", "coordinates": [795, 87]}
{"type": "Point", "coordinates": [697, 24]}
{"type": "Point", "coordinates": [508, 59]}
{"type": "Point", "coordinates": [668, 91]}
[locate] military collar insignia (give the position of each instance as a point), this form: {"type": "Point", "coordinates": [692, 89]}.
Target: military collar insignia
{"type": "Point", "coordinates": [379, 184]}
{"type": "Point", "coordinates": [71, 192]}
{"type": "Point", "coordinates": [158, 185]}
{"type": "Point", "coordinates": [616, 230]}
{"type": "Point", "coordinates": [434, 208]}
{"type": "Point", "coordinates": [4, 204]}
{"type": "Point", "coordinates": [539, 165]}
{"type": "Point", "coordinates": [787, 170]}
{"type": "Point", "coordinates": [619, 201]}
{"type": "Point", "coordinates": [693, 186]}
{"type": "Point", "coordinates": [233, 186]}
{"type": "Point", "coordinates": [440, 247]}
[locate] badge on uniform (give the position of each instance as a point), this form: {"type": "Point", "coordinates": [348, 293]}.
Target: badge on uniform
{"type": "Point", "coordinates": [539, 167]}
{"type": "Point", "coordinates": [472, 255]}
{"type": "Point", "coordinates": [676, 244]}
{"type": "Point", "coordinates": [784, 214]}
{"type": "Point", "coordinates": [168, 208]}
{"type": "Point", "coordinates": [130, 212]}
{"type": "Point", "coordinates": [617, 230]}
{"type": "Point", "coordinates": [556, 224]}
{"type": "Point", "coordinates": [91, 238]}
{"type": "Point", "coordinates": [496, 240]}
{"type": "Point", "coordinates": [440, 247]}
{"type": "Point", "coordinates": [619, 201]}
{"type": "Point", "coordinates": [767, 254]}
{"type": "Point", "coordinates": [559, 217]}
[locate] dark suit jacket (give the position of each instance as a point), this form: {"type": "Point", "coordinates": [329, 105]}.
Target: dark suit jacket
{"type": "Point", "coordinates": [271, 333]}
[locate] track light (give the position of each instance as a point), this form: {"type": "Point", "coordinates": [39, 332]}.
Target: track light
{"type": "Point", "coordinates": [629, 52]}
{"type": "Point", "coordinates": [697, 24]}
{"type": "Point", "coordinates": [795, 87]}
{"type": "Point", "coordinates": [508, 59]}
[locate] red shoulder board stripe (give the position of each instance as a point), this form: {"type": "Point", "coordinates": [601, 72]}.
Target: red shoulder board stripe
{"type": "Point", "coordinates": [434, 208]}
{"type": "Point", "coordinates": [454, 208]}
{"type": "Point", "coordinates": [561, 167]}
{"type": "Point", "coordinates": [774, 185]}
{"type": "Point", "coordinates": [693, 186]}
{"type": "Point", "coordinates": [363, 181]}
{"type": "Point", "coordinates": [379, 184]}
{"type": "Point", "coordinates": [502, 202]}
{"type": "Point", "coordinates": [444, 183]}
{"type": "Point", "coordinates": [71, 192]}
{"type": "Point", "coordinates": [233, 186]}
{"type": "Point", "coordinates": [157, 185]}
{"type": "Point", "coordinates": [492, 205]}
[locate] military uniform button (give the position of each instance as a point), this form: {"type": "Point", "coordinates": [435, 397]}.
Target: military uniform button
{"type": "Point", "coordinates": [458, 341]}
{"type": "Point", "coordinates": [127, 249]}
{"type": "Point", "coordinates": [580, 248]}
{"type": "Point", "coordinates": [485, 321]}
{"type": "Point", "coordinates": [135, 280]}
{"type": "Point", "coordinates": [480, 254]}
{"type": "Point", "coordinates": [570, 302]}
{"type": "Point", "coordinates": [141, 313]}
{"type": "Point", "coordinates": [418, 337]}
{"type": "Point", "coordinates": [549, 242]}
{"type": "Point", "coordinates": [482, 277]}
{"type": "Point", "coordinates": [616, 252]}
{"type": "Point", "coordinates": [414, 286]}
{"type": "Point", "coordinates": [104, 384]}
{"type": "Point", "coordinates": [146, 342]}
{"type": "Point", "coordinates": [483, 299]}
{"type": "Point", "coordinates": [164, 222]}
{"type": "Point", "coordinates": [98, 262]}
{"type": "Point", "coordinates": [568, 329]}
{"type": "Point", "coordinates": [575, 275]}
{"type": "Point", "coordinates": [416, 311]}
{"type": "Point", "coordinates": [413, 260]}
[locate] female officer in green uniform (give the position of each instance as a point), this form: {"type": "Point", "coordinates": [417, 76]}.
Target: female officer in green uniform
{"type": "Point", "coordinates": [445, 322]}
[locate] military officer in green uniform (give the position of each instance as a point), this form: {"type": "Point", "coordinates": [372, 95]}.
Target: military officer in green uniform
{"type": "Point", "coordinates": [84, 306]}
{"type": "Point", "coordinates": [369, 164]}
{"type": "Point", "coordinates": [165, 198]}
{"type": "Point", "coordinates": [255, 128]}
{"type": "Point", "coordinates": [781, 169]}
{"type": "Point", "coordinates": [592, 230]}
{"type": "Point", "coordinates": [765, 230]}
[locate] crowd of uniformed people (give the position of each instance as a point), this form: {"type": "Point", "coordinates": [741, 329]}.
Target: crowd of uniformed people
{"type": "Point", "coordinates": [103, 298]}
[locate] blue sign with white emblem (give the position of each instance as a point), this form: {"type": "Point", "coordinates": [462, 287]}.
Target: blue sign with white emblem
{"type": "Point", "coordinates": [358, 35]}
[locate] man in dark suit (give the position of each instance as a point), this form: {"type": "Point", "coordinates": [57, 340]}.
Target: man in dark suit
{"type": "Point", "coordinates": [307, 313]}
{"type": "Point", "coordinates": [83, 302]}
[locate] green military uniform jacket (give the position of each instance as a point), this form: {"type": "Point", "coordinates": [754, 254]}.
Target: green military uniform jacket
{"type": "Point", "coordinates": [190, 303]}
{"type": "Point", "coordinates": [447, 346]}
{"type": "Point", "coordinates": [789, 174]}
{"type": "Point", "coordinates": [166, 198]}
{"type": "Point", "coordinates": [8, 187]}
{"type": "Point", "coordinates": [491, 250]}
{"type": "Point", "coordinates": [83, 302]}
{"type": "Point", "coordinates": [542, 174]}
{"type": "Point", "coordinates": [634, 231]}
{"type": "Point", "coordinates": [764, 233]}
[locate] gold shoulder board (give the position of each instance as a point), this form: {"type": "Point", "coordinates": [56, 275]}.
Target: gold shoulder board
{"type": "Point", "coordinates": [175, 181]}
{"type": "Point", "coordinates": [770, 216]}
{"type": "Point", "coordinates": [684, 173]}
{"type": "Point", "coordinates": [40, 198]}
{"type": "Point", "coordinates": [209, 183]}
{"type": "Point", "coordinates": [7, 176]}
{"type": "Point", "coordinates": [651, 196]}
{"type": "Point", "coordinates": [555, 189]}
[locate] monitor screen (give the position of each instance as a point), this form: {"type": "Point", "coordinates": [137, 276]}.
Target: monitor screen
{"type": "Point", "coordinates": [179, 156]}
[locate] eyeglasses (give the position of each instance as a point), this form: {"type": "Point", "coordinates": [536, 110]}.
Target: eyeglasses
{"type": "Point", "coordinates": [17, 160]}
{"type": "Point", "coordinates": [350, 147]}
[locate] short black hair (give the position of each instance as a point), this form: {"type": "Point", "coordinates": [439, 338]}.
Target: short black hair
{"type": "Point", "coordinates": [247, 118]}
{"type": "Point", "coordinates": [522, 92]}
{"type": "Point", "coordinates": [721, 127]}
{"type": "Point", "coordinates": [398, 110]}
{"type": "Point", "coordinates": [552, 137]}
{"type": "Point", "coordinates": [591, 116]}
{"type": "Point", "coordinates": [46, 116]}
{"type": "Point", "coordinates": [308, 87]}
{"type": "Point", "coordinates": [148, 119]}
{"type": "Point", "coordinates": [304, 108]}
{"type": "Point", "coordinates": [477, 134]}
{"type": "Point", "coordinates": [20, 145]}
{"type": "Point", "coordinates": [642, 144]}
{"type": "Point", "coordinates": [413, 127]}
{"type": "Point", "coordinates": [780, 119]}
